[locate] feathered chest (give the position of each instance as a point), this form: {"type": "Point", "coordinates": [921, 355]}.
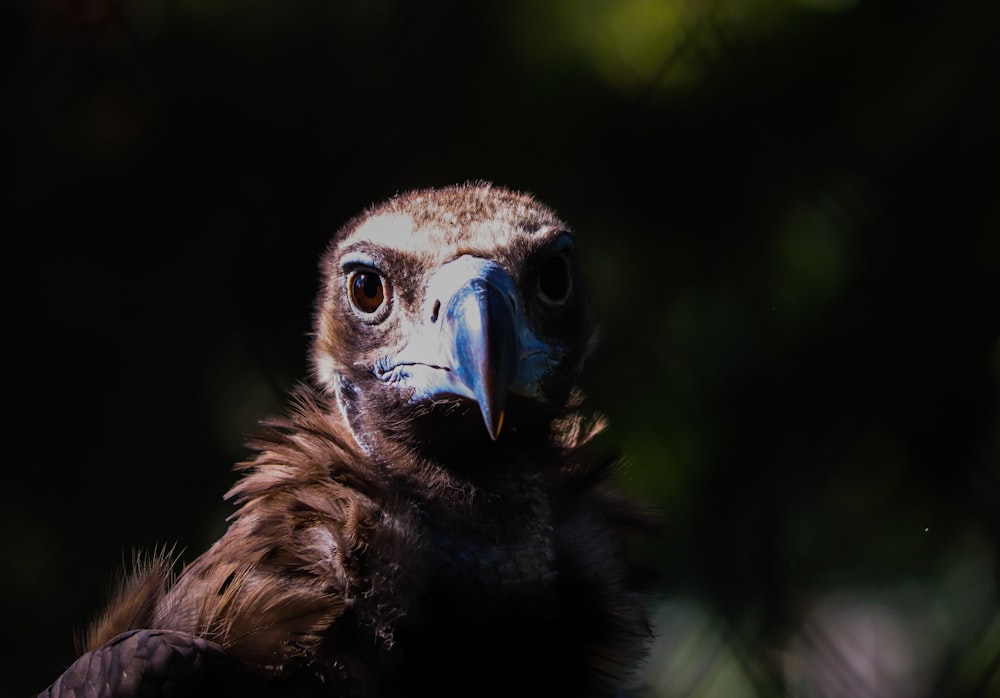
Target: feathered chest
{"type": "Point", "coordinates": [487, 596]}
{"type": "Point", "coordinates": [504, 546]}
{"type": "Point", "coordinates": [488, 557]}
{"type": "Point", "coordinates": [446, 592]}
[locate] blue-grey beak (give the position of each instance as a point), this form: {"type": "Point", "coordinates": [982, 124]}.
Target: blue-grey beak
{"type": "Point", "coordinates": [472, 339]}
{"type": "Point", "coordinates": [479, 318]}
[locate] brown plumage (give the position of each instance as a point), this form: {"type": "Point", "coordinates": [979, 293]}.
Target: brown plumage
{"type": "Point", "coordinates": [385, 542]}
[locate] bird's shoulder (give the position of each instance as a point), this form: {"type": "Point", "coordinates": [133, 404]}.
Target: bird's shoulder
{"type": "Point", "coordinates": [288, 565]}
{"type": "Point", "coordinates": [329, 554]}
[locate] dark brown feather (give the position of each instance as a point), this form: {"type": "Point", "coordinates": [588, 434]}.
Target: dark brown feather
{"type": "Point", "coordinates": [133, 602]}
{"type": "Point", "coordinates": [384, 548]}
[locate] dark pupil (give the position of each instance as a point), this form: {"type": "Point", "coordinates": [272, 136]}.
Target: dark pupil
{"type": "Point", "coordinates": [368, 285]}
{"type": "Point", "coordinates": [553, 280]}
{"type": "Point", "coordinates": [368, 291]}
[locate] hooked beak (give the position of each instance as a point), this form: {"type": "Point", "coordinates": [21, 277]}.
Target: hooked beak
{"type": "Point", "coordinates": [472, 340]}
{"type": "Point", "coordinates": [480, 325]}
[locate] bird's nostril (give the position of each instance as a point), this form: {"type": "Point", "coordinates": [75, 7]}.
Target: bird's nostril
{"type": "Point", "coordinates": [435, 310]}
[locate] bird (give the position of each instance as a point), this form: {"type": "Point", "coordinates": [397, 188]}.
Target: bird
{"type": "Point", "coordinates": [429, 515]}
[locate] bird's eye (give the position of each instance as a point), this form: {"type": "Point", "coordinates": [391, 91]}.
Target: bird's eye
{"type": "Point", "coordinates": [367, 290]}
{"type": "Point", "coordinates": [554, 280]}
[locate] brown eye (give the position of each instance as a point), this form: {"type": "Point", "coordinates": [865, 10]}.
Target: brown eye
{"type": "Point", "coordinates": [367, 290]}
{"type": "Point", "coordinates": [554, 280]}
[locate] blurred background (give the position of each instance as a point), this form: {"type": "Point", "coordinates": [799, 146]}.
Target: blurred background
{"type": "Point", "coordinates": [789, 211]}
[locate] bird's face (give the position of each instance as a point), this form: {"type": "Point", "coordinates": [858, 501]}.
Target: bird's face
{"type": "Point", "coordinates": [443, 303]}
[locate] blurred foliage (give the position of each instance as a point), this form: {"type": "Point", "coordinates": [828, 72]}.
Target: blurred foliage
{"type": "Point", "coordinates": [790, 215]}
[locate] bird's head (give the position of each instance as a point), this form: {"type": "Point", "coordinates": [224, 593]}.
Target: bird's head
{"type": "Point", "coordinates": [450, 314]}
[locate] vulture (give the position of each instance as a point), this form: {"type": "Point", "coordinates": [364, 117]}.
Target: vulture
{"type": "Point", "coordinates": [430, 516]}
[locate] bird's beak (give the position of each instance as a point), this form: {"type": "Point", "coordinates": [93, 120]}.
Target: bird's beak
{"type": "Point", "coordinates": [471, 340]}
{"type": "Point", "coordinates": [479, 321]}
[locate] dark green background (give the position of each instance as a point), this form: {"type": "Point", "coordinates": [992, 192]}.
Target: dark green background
{"type": "Point", "coordinates": [789, 212]}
